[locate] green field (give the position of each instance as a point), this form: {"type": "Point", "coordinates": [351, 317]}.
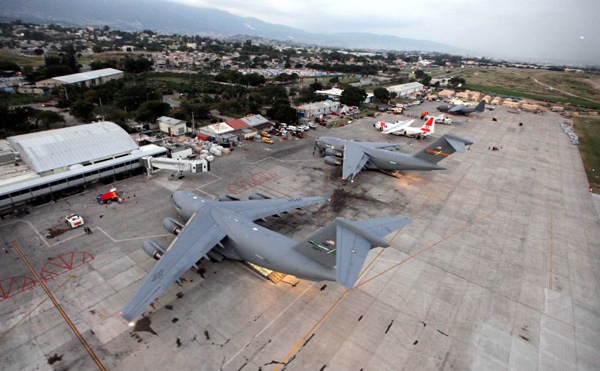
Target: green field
{"type": "Point", "coordinates": [588, 130]}
{"type": "Point", "coordinates": [579, 89]}
{"type": "Point", "coordinates": [21, 60]}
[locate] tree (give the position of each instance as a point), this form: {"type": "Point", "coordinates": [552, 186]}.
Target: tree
{"type": "Point", "coordinates": [82, 110]}
{"type": "Point", "coordinates": [282, 111]}
{"type": "Point", "coordinates": [116, 115]}
{"type": "Point", "coordinates": [9, 66]}
{"type": "Point", "coordinates": [334, 80]}
{"type": "Point", "coordinates": [316, 86]}
{"type": "Point", "coordinates": [69, 58]}
{"type": "Point", "coordinates": [426, 79]}
{"type": "Point", "coordinates": [419, 74]}
{"type": "Point", "coordinates": [137, 65]}
{"type": "Point", "coordinates": [15, 119]}
{"type": "Point", "coordinates": [151, 110]}
{"type": "Point", "coordinates": [381, 94]}
{"type": "Point", "coordinates": [353, 96]}
{"type": "Point", "coordinates": [48, 118]}
{"type": "Point", "coordinates": [271, 93]}
{"type": "Point", "coordinates": [456, 82]}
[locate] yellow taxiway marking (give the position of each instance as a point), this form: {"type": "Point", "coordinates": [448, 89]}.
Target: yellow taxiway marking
{"type": "Point", "coordinates": [15, 246]}
{"type": "Point", "coordinates": [33, 309]}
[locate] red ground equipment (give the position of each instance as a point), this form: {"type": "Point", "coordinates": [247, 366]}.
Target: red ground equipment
{"type": "Point", "coordinates": [109, 197]}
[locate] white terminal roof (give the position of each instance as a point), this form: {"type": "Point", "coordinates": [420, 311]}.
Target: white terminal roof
{"type": "Point", "coordinates": [54, 149]}
{"type": "Point", "coordinates": [319, 105]}
{"type": "Point", "coordinates": [85, 76]}
{"type": "Point", "coordinates": [218, 128]}
{"type": "Point", "coordinates": [333, 92]}
{"type": "Point", "coordinates": [255, 120]}
{"type": "Point", "coordinates": [170, 120]}
{"type": "Point", "coordinates": [407, 86]}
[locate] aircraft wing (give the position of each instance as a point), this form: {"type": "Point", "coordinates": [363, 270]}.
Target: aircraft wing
{"type": "Point", "coordinates": [197, 238]}
{"type": "Point", "coordinates": [258, 209]}
{"type": "Point", "coordinates": [383, 145]}
{"type": "Point", "coordinates": [354, 161]}
{"type": "Point", "coordinates": [398, 127]}
{"type": "Point", "coordinates": [457, 108]}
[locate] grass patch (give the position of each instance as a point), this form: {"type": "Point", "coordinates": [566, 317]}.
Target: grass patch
{"type": "Point", "coordinates": [106, 56]}
{"type": "Point", "coordinates": [557, 99]}
{"type": "Point", "coordinates": [588, 130]}
{"type": "Point", "coordinates": [520, 82]}
{"type": "Point", "coordinates": [21, 99]}
{"type": "Point", "coordinates": [22, 60]}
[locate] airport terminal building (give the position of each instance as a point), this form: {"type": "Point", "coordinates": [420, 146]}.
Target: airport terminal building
{"type": "Point", "coordinates": [49, 164]}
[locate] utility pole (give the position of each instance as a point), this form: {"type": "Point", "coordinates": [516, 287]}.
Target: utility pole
{"type": "Point", "coordinates": [193, 124]}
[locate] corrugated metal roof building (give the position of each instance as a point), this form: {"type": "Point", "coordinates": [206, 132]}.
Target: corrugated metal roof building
{"type": "Point", "coordinates": [405, 89]}
{"type": "Point", "coordinates": [90, 78]}
{"type": "Point", "coordinates": [257, 121]}
{"type": "Point", "coordinates": [54, 151]}
{"type": "Point", "coordinates": [171, 125]}
{"type": "Point", "coordinates": [238, 124]}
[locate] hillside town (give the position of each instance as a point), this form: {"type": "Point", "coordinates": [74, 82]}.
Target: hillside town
{"type": "Point", "coordinates": [67, 75]}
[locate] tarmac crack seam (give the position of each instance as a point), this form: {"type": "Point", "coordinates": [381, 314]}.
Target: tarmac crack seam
{"type": "Point", "coordinates": [44, 240]}
{"type": "Point", "coordinates": [129, 239]}
{"type": "Point", "coordinates": [269, 324]}
{"type": "Point", "coordinates": [291, 354]}
{"type": "Point", "coordinates": [550, 252]}
{"type": "Point", "coordinates": [207, 184]}
{"type": "Point", "coordinates": [32, 227]}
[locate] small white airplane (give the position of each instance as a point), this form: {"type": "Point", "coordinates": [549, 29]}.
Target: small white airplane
{"type": "Point", "coordinates": [441, 119]}
{"type": "Point", "coordinates": [382, 125]}
{"type": "Point", "coordinates": [424, 131]}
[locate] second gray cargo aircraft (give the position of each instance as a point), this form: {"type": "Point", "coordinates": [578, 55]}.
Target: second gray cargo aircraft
{"type": "Point", "coordinates": [354, 156]}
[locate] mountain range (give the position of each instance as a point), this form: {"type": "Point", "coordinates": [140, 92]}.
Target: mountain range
{"type": "Point", "coordinates": [174, 18]}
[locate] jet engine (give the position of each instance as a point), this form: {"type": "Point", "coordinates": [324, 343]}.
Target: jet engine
{"type": "Point", "coordinates": [334, 152]}
{"type": "Point", "coordinates": [258, 196]}
{"type": "Point", "coordinates": [153, 249]}
{"type": "Point", "coordinates": [333, 161]}
{"type": "Point", "coordinates": [172, 225]}
{"type": "Point", "coordinates": [227, 197]}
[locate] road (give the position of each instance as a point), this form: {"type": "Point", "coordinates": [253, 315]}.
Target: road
{"type": "Point", "coordinates": [562, 91]}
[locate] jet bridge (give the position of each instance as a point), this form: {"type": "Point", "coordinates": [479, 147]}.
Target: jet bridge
{"type": "Point", "coordinates": [180, 166]}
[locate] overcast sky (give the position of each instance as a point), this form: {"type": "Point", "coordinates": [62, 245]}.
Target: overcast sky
{"type": "Point", "coordinates": [540, 30]}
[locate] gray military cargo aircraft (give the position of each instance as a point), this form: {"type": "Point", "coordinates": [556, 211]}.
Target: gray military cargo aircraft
{"type": "Point", "coordinates": [354, 156]}
{"type": "Point", "coordinates": [225, 229]}
{"type": "Point", "coordinates": [461, 109]}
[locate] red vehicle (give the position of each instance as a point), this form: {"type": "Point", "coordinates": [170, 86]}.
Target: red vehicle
{"type": "Point", "coordinates": [109, 197]}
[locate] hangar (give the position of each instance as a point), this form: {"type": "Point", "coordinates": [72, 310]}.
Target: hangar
{"type": "Point", "coordinates": [45, 164]}
{"type": "Point", "coordinates": [405, 89]}
{"type": "Point", "coordinates": [90, 78]}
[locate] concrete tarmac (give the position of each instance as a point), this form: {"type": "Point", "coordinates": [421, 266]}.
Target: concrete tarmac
{"type": "Point", "coordinates": [498, 269]}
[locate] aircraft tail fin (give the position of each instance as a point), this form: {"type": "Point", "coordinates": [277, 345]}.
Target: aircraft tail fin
{"type": "Point", "coordinates": [480, 107]}
{"type": "Point", "coordinates": [429, 126]}
{"type": "Point", "coordinates": [443, 147]}
{"type": "Point", "coordinates": [354, 239]}
{"type": "Point", "coordinates": [341, 247]}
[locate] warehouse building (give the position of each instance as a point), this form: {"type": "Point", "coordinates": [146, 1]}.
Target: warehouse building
{"type": "Point", "coordinates": [404, 90]}
{"type": "Point", "coordinates": [49, 164]}
{"type": "Point", "coordinates": [90, 78]}
{"type": "Point", "coordinates": [318, 109]}
{"type": "Point", "coordinates": [171, 126]}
